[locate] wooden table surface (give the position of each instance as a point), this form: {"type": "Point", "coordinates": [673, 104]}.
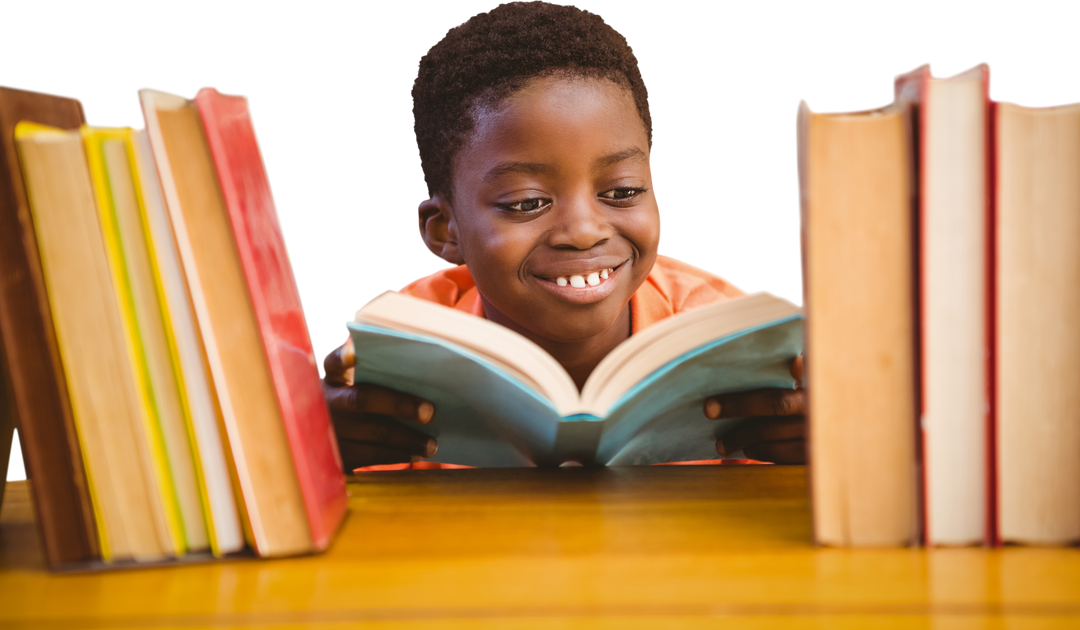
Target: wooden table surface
{"type": "Point", "coordinates": [680, 546]}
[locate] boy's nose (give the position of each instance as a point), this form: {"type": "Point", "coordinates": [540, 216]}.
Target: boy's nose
{"type": "Point", "coordinates": [580, 223]}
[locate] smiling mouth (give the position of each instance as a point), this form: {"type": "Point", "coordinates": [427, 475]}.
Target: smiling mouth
{"type": "Point", "coordinates": [587, 282]}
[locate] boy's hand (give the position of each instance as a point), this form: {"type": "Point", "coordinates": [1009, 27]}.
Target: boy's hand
{"type": "Point", "coordinates": [778, 437]}
{"type": "Point", "coordinates": [361, 415]}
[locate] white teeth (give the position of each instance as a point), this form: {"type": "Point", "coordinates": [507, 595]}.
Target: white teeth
{"type": "Point", "coordinates": [583, 280]}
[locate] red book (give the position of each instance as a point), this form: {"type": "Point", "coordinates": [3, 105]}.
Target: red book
{"type": "Point", "coordinates": [246, 192]}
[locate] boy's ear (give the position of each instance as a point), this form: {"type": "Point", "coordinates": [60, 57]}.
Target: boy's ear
{"type": "Point", "coordinates": [438, 230]}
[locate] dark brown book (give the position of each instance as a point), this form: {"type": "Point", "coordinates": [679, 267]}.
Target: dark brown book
{"type": "Point", "coordinates": [32, 361]}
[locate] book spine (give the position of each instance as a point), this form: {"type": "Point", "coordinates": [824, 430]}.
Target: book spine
{"type": "Point", "coordinates": [993, 536]}
{"type": "Point", "coordinates": [920, 315]}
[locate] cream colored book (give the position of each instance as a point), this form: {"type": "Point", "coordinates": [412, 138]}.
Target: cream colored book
{"type": "Point", "coordinates": [1037, 340]}
{"type": "Point", "coordinates": [953, 246]}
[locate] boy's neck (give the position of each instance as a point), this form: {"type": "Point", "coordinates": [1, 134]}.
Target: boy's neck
{"type": "Point", "coordinates": [578, 358]}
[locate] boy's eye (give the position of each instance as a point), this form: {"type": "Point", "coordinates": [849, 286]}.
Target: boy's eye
{"type": "Point", "coordinates": [622, 194]}
{"type": "Point", "coordinates": [528, 205]}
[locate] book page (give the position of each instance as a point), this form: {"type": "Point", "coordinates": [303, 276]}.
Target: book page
{"type": "Point", "coordinates": [647, 351]}
{"type": "Point", "coordinates": [512, 352]}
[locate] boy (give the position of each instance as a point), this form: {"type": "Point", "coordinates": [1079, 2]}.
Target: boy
{"type": "Point", "coordinates": [534, 133]}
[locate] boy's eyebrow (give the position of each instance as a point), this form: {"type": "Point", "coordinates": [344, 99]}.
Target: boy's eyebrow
{"type": "Point", "coordinates": [538, 168]}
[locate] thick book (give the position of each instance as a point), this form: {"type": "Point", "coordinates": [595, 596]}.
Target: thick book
{"type": "Point", "coordinates": [38, 389]}
{"type": "Point", "coordinates": [1037, 296]}
{"type": "Point", "coordinates": [268, 475]}
{"type": "Point", "coordinates": [501, 400]}
{"type": "Point", "coordinates": [858, 276]}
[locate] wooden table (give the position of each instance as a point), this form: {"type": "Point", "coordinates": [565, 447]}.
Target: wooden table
{"type": "Point", "coordinates": [680, 546]}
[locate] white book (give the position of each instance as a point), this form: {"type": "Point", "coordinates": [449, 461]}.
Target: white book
{"type": "Point", "coordinates": [953, 219]}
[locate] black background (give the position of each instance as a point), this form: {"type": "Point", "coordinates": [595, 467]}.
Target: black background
{"type": "Point", "coordinates": [724, 85]}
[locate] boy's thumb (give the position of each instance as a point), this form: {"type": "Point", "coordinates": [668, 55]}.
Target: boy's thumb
{"type": "Point", "coordinates": [347, 353]}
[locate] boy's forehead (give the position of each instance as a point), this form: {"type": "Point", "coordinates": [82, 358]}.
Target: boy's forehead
{"type": "Point", "coordinates": [502, 130]}
{"type": "Point", "coordinates": [554, 95]}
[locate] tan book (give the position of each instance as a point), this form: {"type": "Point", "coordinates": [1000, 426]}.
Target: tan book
{"type": "Point", "coordinates": [259, 446]}
{"type": "Point", "coordinates": [856, 188]}
{"type": "Point", "coordinates": [108, 413]}
{"type": "Point", "coordinates": [1037, 341]}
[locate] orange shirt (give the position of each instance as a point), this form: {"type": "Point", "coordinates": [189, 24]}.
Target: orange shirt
{"type": "Point", "coordinates": [672, 287]}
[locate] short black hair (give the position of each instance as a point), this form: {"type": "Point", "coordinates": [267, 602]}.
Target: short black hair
{"type": "Point", "coordinates": [493, 55]}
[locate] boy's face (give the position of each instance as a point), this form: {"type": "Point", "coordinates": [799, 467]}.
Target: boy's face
{"type": "Point", "coordinates": [554, 190]}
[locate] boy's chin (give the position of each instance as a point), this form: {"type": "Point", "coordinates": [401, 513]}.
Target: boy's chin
{"type": "Point", "coordinates": [577, 326]}
{"type": "Point", "coordinates": [544, 319]}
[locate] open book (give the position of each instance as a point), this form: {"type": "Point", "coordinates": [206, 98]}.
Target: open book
{"type": "Point", "coordinates": [501, 400]}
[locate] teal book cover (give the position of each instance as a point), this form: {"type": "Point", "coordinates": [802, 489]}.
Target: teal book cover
{"type": "Point", "coordinates": [487, 416]}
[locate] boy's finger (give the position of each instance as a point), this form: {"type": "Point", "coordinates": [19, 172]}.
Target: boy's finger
{"type": "Point", "coordinates": [762, 402]}
{"type": "Point", "coordinates": [797, 370]}
{"type": "Point", "coordinates": [339, 364]}
{"type": "Point", "coordinates": [366, 398]}
{"type": "Point", "coordinates": [757, 432]}
{"type": "Point", "coordinates": [385, 432]}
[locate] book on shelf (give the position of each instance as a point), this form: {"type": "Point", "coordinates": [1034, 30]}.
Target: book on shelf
{"type": "Point", "coordinates": [951, 124]}
{"type": "Point", "coordinates": [1037, 293]}
{"type": "Point", "coordinates": [197, 420]}
{"type": "Point", "coordinates": [501, 400]}
{"type": "Point", "coordinates": [856, 182]}
{"type": "Point", "coordinates": [35, 374]}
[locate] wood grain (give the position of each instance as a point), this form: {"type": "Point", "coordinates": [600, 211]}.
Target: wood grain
{"type": "Point", "coordinates": [649, 547]}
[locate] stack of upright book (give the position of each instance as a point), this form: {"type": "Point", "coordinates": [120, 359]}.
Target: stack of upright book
{"type": "Point", "coordinates": [942, 281]}
{"type": "Point", "coordinates": [155, 353]}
